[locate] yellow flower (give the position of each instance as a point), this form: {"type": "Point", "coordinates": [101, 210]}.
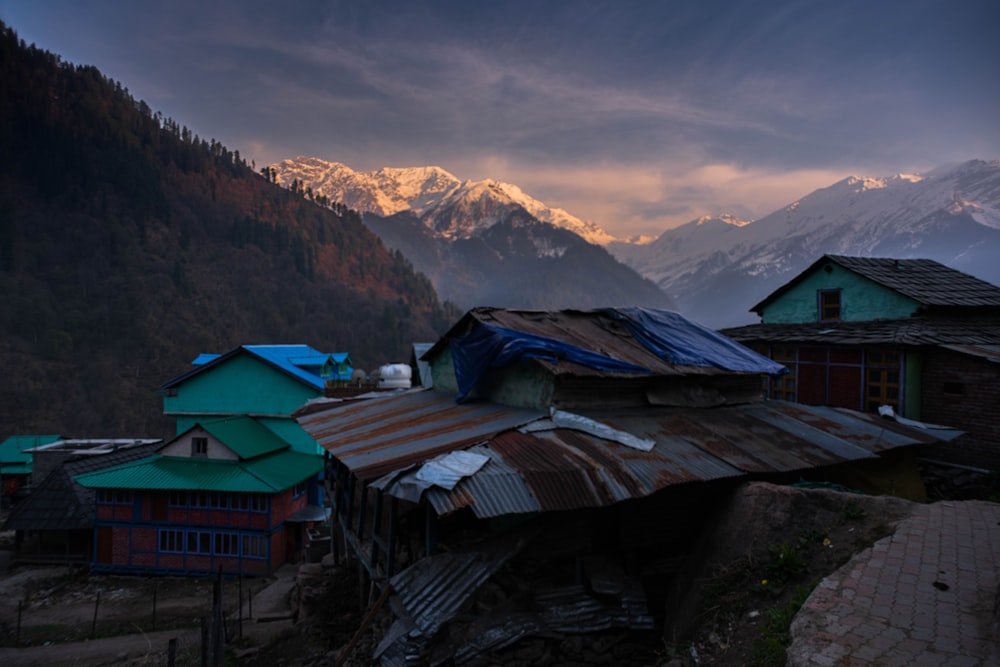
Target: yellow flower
{"type": "Point", "coordinates": [763, 582]}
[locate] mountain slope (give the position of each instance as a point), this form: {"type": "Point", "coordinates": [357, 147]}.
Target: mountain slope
{"type": "Point", "coordinates": [717, 269]}
{"type": "Point", "coordinates": [429, 192]}
{"type": "Point", "coordinates": [128, 246]}
{"type": "Point", "coordinates": [480, 242]}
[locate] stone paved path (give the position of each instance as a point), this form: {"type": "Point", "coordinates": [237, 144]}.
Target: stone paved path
{"type": "Point", "coordinates": [924, 597]}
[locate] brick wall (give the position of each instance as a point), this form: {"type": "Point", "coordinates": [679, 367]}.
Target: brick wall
{"type": "Point", "coordinates": [963, 391]}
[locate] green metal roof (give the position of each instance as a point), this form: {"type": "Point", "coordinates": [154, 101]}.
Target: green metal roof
{"type": "Point", "coordinates": [247, 437]}
{"type": "Point", "coordinates": [12, 450]}
{"type": "Point", "coordinates": [266, 474]}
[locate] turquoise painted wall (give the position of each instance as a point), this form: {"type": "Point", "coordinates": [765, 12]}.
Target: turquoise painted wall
{"type": "Point", "coordinates": [240, 385]}
{"type": "Point", "coordinates": [860, 299]}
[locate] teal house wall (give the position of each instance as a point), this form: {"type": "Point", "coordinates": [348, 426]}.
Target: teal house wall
{"type": "Point", "coordinates": [240, 385]}
{"type": "Point", "coordinates": [266, 382]}
{"type": "Point", "coordinates": [861, 299]}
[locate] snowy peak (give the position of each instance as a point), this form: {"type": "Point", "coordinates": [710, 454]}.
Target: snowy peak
{"type": "Point", "coordinates": [448, 206]}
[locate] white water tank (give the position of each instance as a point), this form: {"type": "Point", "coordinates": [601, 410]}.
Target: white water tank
{"type": "Point", "coordinates": [394, 376]}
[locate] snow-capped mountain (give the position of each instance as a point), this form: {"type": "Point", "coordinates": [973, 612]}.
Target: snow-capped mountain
{"type": "Point", "coordinates": [480, 242]}
{"type": "Point", "coordinates": [449, 207]}
{"type": "Point", "coordinates": [717, 268]}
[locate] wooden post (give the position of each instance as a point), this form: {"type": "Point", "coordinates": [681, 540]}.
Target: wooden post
{"type": "Point", "coordinates": [17, 637]}
{"type": "Point", "coordinates": [155, 587]}
{"type": "Point", "coordinates": [93, 626]}
{"type": "Point", "coordinates": [204, 641]}
{"type": "Point", "coordinates": [239, 620]}
{"type": "Point", "coordinates": [172, 652]}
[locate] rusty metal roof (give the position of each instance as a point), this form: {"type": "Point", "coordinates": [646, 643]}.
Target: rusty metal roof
{"type": "Point", "coordinates": [566, 469]}
{"type": "Point", "coordinates": [379, 435]}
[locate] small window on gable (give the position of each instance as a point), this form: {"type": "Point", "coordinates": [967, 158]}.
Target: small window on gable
{"type": "Point", "coordinates": [199, 446]}
{"type": "Point", "coordinates": [829, 305]}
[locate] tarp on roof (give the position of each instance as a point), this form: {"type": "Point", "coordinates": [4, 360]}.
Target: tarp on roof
{"type": "Point", "coordinates": [489, 346]}
{"type": "Point", "coordinates": [669, 336]}
{"type": "Point", "coordinates": [685, 343]}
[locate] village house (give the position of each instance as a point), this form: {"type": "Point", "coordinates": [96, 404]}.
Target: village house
{"type": "Point", "coordinates": [227, 494]}
{"type": "Point", "coordinates": [912, 334]}
{"type": "Point", "coordinates": [55, 522]}
{"type": "Point", "coordinates": [267, 382]}
{"type": "Point", "coordinates": [16, 463]}
{"type": "Point", "coordinates": [559, 472]}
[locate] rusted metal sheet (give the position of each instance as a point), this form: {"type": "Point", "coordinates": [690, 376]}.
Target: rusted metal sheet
{"type": "Point", "coordinates": [497, 489]}
{"type": "Point", "coordinates": [871, 432]}
{"type": "Point", "coordinates": [564, 469]}
{"type": "Point", "coordinates": [376, 436]}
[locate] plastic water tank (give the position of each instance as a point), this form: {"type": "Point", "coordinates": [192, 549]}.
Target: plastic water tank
{"type": "Point", "coordinates": [395, 376]}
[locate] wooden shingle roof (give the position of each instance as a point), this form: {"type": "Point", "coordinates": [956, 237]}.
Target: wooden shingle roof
{"type": "Point", "coordinates": [927, 282]}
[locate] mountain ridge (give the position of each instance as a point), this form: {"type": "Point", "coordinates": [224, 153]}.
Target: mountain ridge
{"type": "Point", "coordinates": [950, 214]}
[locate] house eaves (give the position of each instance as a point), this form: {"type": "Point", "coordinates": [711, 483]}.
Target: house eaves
{"type": "Point", "coordinates": [982, 331]}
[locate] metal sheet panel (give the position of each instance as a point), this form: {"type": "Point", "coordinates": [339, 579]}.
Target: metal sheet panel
{"type": "Point", "coordinates": [379, 435]}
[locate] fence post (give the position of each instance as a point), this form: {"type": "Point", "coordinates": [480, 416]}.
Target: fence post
{"type": "Point", "coordinates": [17, 638]}
{"type": "Point", "coordinates": [93, 626]}
{"type": "Point", "coordinates": [172, 652]}
{"type": "Point", "coordinates": [204, 641]}
{"type": "Point", "coordinates": [155, 587]}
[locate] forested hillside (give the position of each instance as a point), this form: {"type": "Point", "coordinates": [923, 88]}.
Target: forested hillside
{"type": "Point", "coordinates": [128, 246]}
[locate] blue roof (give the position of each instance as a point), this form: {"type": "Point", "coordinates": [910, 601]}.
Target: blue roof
{"type": "Point", "coordinates": [300, 361]}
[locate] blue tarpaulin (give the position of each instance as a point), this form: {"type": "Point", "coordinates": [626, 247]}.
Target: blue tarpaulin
{"type": "Point", "coordinates": [676, 339]}
{"type": "Point", "coordinates": [668, 335]}
{"type": "Point", "coordinates": [490, 346]}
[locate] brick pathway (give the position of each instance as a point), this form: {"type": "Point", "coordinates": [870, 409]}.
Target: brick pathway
{"type": "Point", "coordinates": [923, 597]}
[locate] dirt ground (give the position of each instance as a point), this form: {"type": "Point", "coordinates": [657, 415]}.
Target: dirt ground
{"type": "Point", "coordinates": [766, 553]}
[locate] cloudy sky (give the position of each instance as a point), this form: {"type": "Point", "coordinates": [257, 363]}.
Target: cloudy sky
{"type": "Point", "coordinates": [639, 115]}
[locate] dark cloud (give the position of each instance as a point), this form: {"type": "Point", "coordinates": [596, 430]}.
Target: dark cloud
{"type": "Point", "coordinates": [760, 88]}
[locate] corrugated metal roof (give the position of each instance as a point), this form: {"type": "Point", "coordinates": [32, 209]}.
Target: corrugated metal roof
{"type": "Point", "coordinates": [247, 437]}
{"type": "Point", "coordinates": [379, 435]}
{"type": "Point", "coordinates": [290, 359]}
{"type": "Point", "coordinates": [266, 474]}
{"type": "Point", "coordinates": [564, 469]}
{"type": "Point", "coordinates": [990, 353]}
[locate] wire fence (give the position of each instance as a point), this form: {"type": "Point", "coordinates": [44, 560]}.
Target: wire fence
{"type": "Point", "coordinates": [183, 621]}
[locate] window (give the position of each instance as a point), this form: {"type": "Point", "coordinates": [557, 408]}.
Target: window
{"type": "Point", "coordinates": [199, 542]}
{"type": "Point", "coordinates": [114, 496]}
{"type": "Point", "coordinates": [254, 546]}
{"type": "Point", "coordinates": [953, 388]}
{"type": "Point", "coordinates": [782, 388]}
{"type": "Point", "coordinates": [253, 502]}
{"type": "Point", "coordinates": [199, 446]}
{"type": "Point", "coordinates": [883, 376]}
{"type": "Point", "coordinates": [227, 544]}
{"type": "Point", "coordinates": [172, 540]}
{"type": "Point", "coordinates": [298, 489]}
{"type": "Point", "coordinates": [829, 305]}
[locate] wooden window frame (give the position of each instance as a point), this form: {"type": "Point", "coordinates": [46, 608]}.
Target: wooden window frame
{"type": "Point", "coordinates": [825, 307]}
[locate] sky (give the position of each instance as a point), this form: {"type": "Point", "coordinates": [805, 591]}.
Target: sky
{"type": "Point", "coordinates": [637, 114]}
